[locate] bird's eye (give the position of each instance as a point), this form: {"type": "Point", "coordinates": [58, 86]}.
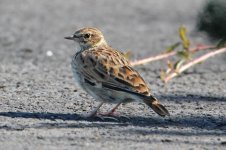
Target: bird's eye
{"type": "Point", "coordinates": [87, 36]}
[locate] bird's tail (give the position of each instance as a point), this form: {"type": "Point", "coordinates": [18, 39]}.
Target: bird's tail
{"type": "Point", "coordinates": [156, 106]}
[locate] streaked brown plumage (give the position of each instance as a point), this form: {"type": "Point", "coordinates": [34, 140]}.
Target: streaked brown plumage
{"type": "Point", "coordinates": [106, 74]}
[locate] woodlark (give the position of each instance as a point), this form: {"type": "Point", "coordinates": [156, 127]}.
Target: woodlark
{"type": "Point", "coordinates": [106, 74]}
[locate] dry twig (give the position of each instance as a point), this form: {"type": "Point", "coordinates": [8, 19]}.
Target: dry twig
{"type": "Point", "coordinates": [185, 61]}
{"type": "Point", "coordinates": [167, 55]}
{"type": "Point", "coordinates": [193, 62]}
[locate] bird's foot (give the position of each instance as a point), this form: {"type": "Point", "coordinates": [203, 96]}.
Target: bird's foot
{"type": "Point", "coordinates": [107, 115]}
{"type": "Point", "coordinates": [102, 116]}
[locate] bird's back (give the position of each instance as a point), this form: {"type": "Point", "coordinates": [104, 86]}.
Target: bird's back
{"type": "Point", "coordinates": [109, 66]}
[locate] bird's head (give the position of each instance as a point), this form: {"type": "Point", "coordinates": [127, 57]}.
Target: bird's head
{"type": "Point", "coordinates": [88, 38]}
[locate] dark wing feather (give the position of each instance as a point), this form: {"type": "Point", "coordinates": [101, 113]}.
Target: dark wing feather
{"type": "Point", "coordinates": [110, 67]}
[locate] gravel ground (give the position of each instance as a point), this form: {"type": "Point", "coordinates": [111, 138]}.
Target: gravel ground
{"type": "Point", "coordinates": [40, 105]}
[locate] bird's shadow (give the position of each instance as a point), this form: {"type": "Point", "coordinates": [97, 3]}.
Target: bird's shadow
{"type": "Point", "coordinates": [73, 120]}
{"type": "Point", "coordinates": [201, 122]}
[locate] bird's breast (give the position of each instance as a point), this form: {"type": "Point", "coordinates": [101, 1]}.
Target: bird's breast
{"type": "Point", "coordinates": [76, 71]}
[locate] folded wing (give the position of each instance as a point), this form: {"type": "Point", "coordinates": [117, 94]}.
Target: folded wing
{"type": "Point", "coordinates": [110, 68]}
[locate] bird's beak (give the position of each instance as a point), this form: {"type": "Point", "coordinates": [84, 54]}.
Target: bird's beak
{"type": "Point", "coordinates": [72, 37]}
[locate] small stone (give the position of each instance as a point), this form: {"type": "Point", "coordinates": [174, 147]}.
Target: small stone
{"type": "Point", "coordinates": [49, 53]}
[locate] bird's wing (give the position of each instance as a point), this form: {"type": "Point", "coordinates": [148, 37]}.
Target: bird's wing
{"type": "Point", "coordinates": [110, 68]}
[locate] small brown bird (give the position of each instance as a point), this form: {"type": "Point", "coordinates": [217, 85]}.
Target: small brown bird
{"type": "Point", "coordinates": [106, 74]}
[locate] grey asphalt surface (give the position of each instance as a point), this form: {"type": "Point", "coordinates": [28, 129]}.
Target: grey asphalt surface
{"type": "Point", "coordinates": [40, 105]}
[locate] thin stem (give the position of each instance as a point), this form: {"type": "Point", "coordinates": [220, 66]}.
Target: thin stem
{"type": "Point", "coordinates": [201, 47]}
{"type": "Point", "coordinates": [193, 62]}
{"type": "Point", "coordinates": [166, 55]}
{"type": "Point", "coordinates": [154, 58]}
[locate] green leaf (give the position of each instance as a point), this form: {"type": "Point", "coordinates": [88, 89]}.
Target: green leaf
{"type": "Point", "coordinates": [170, 65]}
{"type": "Point", "coordinates": [178, 64]}
{"type": "Point", "coordinates": [172, 47]}
{"type": "Point", "coordinates": [128, 54]}
{"type": "Point", "coordinates": [221, 43]}
{"type": "Point", "coordinates": [184, 54]}
{"type": "Point", "coordinates": [162, 75]}
{"type": "Point", "coordinates": [183, 36]}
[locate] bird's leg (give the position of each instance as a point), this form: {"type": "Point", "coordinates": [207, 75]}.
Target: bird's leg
{"type": "Point", "coordinates": [93, 112]}
{"type": "Point", "coordinates": [111, 112]}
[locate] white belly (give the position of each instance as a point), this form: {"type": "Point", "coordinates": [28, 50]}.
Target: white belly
{"type": "Point", "coordinates": [76, 74]}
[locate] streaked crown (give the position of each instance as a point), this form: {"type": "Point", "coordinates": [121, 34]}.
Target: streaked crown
{"type": "Point", "coordinates": [88, 38]}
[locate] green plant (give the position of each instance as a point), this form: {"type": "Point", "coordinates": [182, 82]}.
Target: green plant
{"type": "Point", "coordinates": [185, 56]}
